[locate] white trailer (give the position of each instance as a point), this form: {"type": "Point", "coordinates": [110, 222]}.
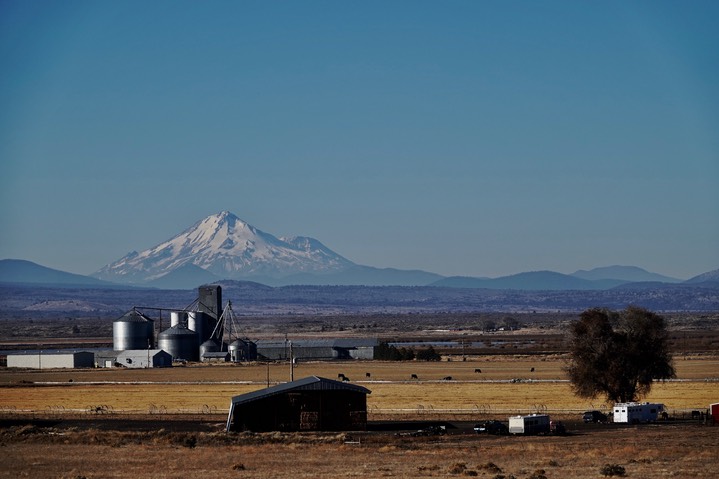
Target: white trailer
{"type": "Point", "coordinates": [634, 412]}
{"type": "Point", "coordinates": [532, 424]}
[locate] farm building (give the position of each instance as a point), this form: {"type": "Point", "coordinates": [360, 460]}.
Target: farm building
{"type": "Point", "coordinates": [133, 358]}
{"type": "Point", "coordinates": [317, 349]}
{"type": "Point", "coordinates": [357, 348]}
{"type": "Point", "coordinates": [51, 359]}
{"type": "Point", "coordinates": [634, 412]}
{"type": "Point", "coordinates": [309, 404]}
{"type": "Point", "coordinates": [147, 358]}
{"type": "Point", "coordinates": [215, 357]}
{"type": "Point", "coordinates": [714, 412]}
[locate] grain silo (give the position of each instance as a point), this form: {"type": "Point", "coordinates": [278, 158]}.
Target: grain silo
{"type": "Point", "coordinates": [133, 330]}
{"type": "Point", "coordinates": [242, 350]}
{"type": "Point", "coordinates": [210, 300]}
{"type": "Point", "coordinates": [209, 346]}
{"type": "Point", "coordinates": [180, 342]}
{"type": "Point", "coordinates": [200, 323]}
{"type": "Point", "coordinates": [178, 317]}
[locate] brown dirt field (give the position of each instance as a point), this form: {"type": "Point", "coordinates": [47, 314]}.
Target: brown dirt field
{"type": "Point", "coordinates": [664, 450]}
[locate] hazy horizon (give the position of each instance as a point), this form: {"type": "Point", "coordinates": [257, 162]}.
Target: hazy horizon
{"type": "Point", "coordinates": [462, 138]}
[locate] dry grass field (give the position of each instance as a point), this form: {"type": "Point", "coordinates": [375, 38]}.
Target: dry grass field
{"type": "Point", "coordinates": [504, 385]}
{"type": "Point", "coordinates": [51, 427]}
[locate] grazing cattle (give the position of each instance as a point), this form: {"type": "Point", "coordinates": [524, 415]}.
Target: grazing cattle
{"type": "Point", "coordinates": [695, 414]}
{"type": "Point", "coordinates": [367, 375]}
{"type": "Point", "coordinates": [477, 370]}
{"type": "Point", "coordinates": [414, 376]}
{"type": "Point", "coordinates": [531, 370]}
{"type": "Point", "coordinates": [345, 379]}
{"type": "Point", "coordinates": [340, 376]}
{"type": "Point", "coordinates": [447, 378]}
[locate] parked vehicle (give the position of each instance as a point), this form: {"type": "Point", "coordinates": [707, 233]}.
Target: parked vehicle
{"type": "Point", "coordinates": [491, 427]}
{"type": "Point", "coordinates": [532, 424]}
{"type": "Point", "coordinates": [594, 416]}
{"type": "Point", "coordinates": [634, 412]}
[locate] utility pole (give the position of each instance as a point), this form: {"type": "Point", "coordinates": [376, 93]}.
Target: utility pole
{"type": "Point", "coordinates": [292, 364]}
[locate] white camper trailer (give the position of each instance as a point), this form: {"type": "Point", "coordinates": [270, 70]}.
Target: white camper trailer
{"type": "Point", "coordinates": [634, 412]}
{"type": "Point", "coordinates": [532, 424]}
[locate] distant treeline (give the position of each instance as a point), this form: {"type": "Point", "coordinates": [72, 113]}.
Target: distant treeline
{"type": "Point", "coordinates": [388, 352]}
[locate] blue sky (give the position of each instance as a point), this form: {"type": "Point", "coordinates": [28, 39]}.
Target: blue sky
{"type": "Point", "coordinates": [462, 137]}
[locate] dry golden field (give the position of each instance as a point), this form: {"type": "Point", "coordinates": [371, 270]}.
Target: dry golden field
{"type": "Point", "coordinates": [203, 388]}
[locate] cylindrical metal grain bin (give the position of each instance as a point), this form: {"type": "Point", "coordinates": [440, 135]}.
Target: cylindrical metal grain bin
{"type": "Point", "coordinates": [196, 322]}
{"type": "Point", "coordinates": [178, 317]}
{"type": "Point", "coordinates": [209, 346]}
{"type": "Point", "coordinates": [242, 350]}
{"type": "Point", "coordinates": [179, 342]}
{"type": "Point", "coordinates": [133, 331]}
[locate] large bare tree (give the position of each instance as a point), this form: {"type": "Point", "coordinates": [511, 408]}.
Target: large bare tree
{"type": "Point", "coordinates": [618, 354]}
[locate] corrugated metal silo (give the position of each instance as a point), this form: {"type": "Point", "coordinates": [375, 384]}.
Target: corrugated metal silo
{"type": "Point", "coordinates": [209, 346]}
{"type": "Point", "coordinates": [133, 330]}
{"type": "Point", "coordinates": [210, 300]}
{"type": "Point", "coordinates": [196, 322]}
{"type": "Point", "coordinates": [178, 317]}
{"type": "Point", "coordinates": [242, 350]}
{"type": "Point", "coordinates": [180, 342]}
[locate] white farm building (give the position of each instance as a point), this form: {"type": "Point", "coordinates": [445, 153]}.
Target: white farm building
{"type": "Point", "coordinates": [144, 358]}
{"type": "Point", "coordinates": [51, 359]}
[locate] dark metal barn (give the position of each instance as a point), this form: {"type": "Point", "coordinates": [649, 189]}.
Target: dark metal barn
{"type": "Point", "coordinates": [309, 404]}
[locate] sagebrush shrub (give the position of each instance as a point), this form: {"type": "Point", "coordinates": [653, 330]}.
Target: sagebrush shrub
{"type": "Point", "coordinates": [612, 470]}
{"type": "Point", "coordinates": [457, 468]}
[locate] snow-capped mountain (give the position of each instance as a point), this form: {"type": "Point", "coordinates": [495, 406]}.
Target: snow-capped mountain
{"type": "Point", "coordinates": [228, 248]}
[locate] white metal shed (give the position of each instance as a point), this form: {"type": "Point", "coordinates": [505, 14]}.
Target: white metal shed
{"type": "Point", "coordinates": [51, 359]}
{"type": "Point", "coordinates": [144, 358]}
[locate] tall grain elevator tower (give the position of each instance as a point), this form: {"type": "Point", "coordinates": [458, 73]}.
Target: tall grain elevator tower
{"type": "Point", "coordinates": [210, 300]}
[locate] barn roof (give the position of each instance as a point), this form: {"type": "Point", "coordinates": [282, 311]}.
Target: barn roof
{"type": "Point", "coordinates": [140, 353]}
{"type": "Point", "coordinates": [310, 383]}
{"type": "Point", "coordinates": [319, 343]}
{"type": "Point", "coordinates": [356, 343]}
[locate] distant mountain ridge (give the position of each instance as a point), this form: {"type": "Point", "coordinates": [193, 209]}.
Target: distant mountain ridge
{"type": "Point", "coordinates": [223, 247]}
{"type": "Point", "coordinates": [709, 276]}
{"type": "Point", "coordinates": [189, 276]}
{"type": "Point", "coordinates": [529, 281]}
{"type": "Point", "coordinates": [624, 273]}
{"type": "Point", "coordinates": [33, 301]}
{"type": "Point", "coordinates": [23, 271]}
